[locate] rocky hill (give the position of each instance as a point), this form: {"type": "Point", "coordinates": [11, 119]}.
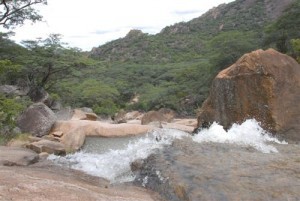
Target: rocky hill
{"type": "Point", "coordinates": [187, 40]}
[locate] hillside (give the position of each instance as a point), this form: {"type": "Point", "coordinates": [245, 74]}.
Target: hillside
{"type": "Point", "coordinates": [174, 68]}
{"type": "Point", "coordinates": [187, 40]}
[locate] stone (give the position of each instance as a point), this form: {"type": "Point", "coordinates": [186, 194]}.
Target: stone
{"type": "Point", "coordinates": [73, 140]}
{"type": "Point", "coordinates": [120, 117]}
{"type": "Point", "coordinates": [47, 146]}
{"type": "Point", "coordinates": [163, 115]}
{"type": "Point", "coordinates": [264, 85]}
{"type": "Point", "coordinates": [57, 134]}
{"type": "Point", "coordinates": [80, 115]}
{"type": "Point", "coordinates": [124, 117]}
{"type": "Point", "coordinates": [37, 119]}
{"type": "Point", "coordinates": [51, 182]}
{"type": "Point", "coordinates": [17, 156]}
{"type": "Point", "coordinates": [101, 129]}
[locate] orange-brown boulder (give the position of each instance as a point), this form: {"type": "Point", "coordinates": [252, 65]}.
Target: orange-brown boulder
{"type": "Point", "coordinates": [264, 85]}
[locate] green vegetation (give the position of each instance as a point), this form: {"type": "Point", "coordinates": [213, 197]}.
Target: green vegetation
{"type": "Point", "coordinates": [10, 108]}
{"type": "Point", "coordinates": [172, 69]}
{"type": "Point", "coordinates": [15, 12]}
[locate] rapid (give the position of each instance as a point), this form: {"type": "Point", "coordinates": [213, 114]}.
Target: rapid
{"type": "Point", "coordinates": [213, 164]}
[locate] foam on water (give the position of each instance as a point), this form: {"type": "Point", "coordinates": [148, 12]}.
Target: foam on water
{"type": "Point", "coordinates": [114, 165]}
{"type": "Point", "coordinates": [248, 133]}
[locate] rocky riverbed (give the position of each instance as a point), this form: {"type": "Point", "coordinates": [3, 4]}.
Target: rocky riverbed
{"type": "Point", "coordinates": [46, 181]}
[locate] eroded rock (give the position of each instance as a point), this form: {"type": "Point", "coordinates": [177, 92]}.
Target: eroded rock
{"type": "Point", "coordinates": [264, 85]}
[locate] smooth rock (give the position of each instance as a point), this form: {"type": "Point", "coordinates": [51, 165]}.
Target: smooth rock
{"type": "Point", "coordinates": [264, 85]}
{"type": "Point", "coordinates": [187, 170]}
{"type": "Point", "coordinates": [102, 129]}
{"type": "Point", "coordinates": [73, 140]}
{"type": "Point", "coordinates": [48, 146]}
{"type": "Point", "coordinates": [10, 156]}
{"type": "Point", "coordinates": [53, 183]}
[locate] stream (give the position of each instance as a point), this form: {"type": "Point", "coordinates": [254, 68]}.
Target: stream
{"type": "Point", "coordinates": [243, 163]}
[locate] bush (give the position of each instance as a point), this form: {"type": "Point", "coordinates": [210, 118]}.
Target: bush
{"type": "Point", "coordinates": [10, 108]}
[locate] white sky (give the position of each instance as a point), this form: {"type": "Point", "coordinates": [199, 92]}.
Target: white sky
{"type": "Point", "coordinates": [90, 23]}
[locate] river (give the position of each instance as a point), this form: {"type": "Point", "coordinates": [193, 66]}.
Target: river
{"type": "Point", "coordinates": [243, 163]}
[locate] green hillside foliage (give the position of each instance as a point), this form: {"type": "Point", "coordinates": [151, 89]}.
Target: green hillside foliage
{"type": "Point", "coordinates": [172, 69]}
{"type": "Point", "coordinates": [280, 33]}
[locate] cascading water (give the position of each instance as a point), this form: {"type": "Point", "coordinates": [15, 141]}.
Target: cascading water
{"type": "Point", "coordinates": [114, 163]}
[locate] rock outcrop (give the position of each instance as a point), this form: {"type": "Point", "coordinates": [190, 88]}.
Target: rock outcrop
{"type": "Point", "coordinates": [101, 129]}
{"type": "Point", "coordinates": [37, 120]}
{"type": "Point", "coordinates": [264, 85]}
{"type": "Point", "coordinates": [50, 183]}
{"type": "Point", "coordinates": [10, 156]}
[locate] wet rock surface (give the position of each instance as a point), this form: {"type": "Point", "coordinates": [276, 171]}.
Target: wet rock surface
{"type": "Point", "coordinates": [214, 171]}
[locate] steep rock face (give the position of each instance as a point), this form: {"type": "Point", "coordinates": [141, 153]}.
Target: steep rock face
{"type": "Point", "coordinates": [264, 85]}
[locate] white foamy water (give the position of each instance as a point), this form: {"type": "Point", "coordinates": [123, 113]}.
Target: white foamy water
{"type": "Point", "coordinates": [248, 133]}
{"type": "Point", "coordinates": [114, 164]}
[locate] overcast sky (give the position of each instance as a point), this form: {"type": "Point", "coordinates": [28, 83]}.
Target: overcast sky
{"type": "Point", "coordinates": [90, 23]}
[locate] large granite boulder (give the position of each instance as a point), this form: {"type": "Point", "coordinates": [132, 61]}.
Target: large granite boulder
{"type": "Point", "coordinates": [10, 156]}
{"type": "Point", "coordinates": [37, 119]}
{"type": "Point", "coordinates": [264, 85]}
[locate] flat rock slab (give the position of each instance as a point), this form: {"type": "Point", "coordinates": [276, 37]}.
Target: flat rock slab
{"type": "Point", "coordinates": [10, 156]}
{"type": "Point", "coordinates": [53, 183]}
{"type": "Point", "coordinates": [48, 146]}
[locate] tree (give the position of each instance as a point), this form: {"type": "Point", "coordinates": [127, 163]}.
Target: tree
{"type": "Point", "coordinates": [49, 63]}
{"type": "Point", "coordinates": [15, 12]}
